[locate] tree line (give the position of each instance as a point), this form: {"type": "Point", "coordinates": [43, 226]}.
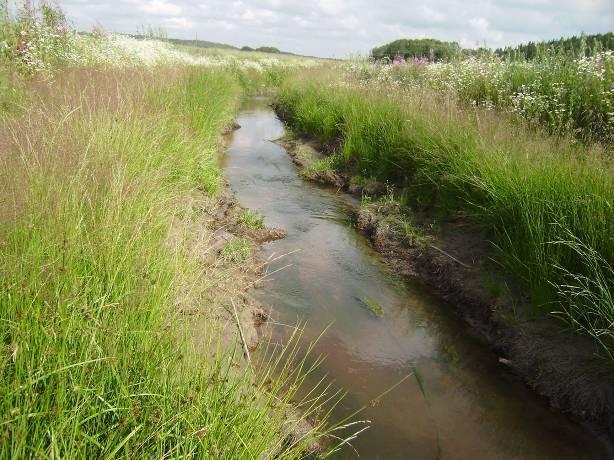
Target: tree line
{"type": "Point", "coordinates": [577, 46]}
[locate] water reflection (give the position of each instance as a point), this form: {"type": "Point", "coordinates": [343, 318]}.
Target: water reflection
{"type": "Point", "coordinates": [473, 408]}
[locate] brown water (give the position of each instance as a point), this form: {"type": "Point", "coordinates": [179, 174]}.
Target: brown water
{"type": "Point", "coordinates": [474, 408]}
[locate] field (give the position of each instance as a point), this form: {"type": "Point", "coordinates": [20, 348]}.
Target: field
{"type": "Point", "coordinates": [109, 173]}
{"type": "Point", "coordinates": [545, 201]}
{"type": "Point", "coordinates": [109, 163]}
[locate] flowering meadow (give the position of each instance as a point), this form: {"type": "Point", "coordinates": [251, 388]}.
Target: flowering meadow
{"type": "Point", "coordinates": [109, 176]}
{"type": "Point", "coordinates": [563, 95]}
{"type": "Point", "coordinates": [39, 41]}
{"type": "Point", "coordinates": [460, 140]}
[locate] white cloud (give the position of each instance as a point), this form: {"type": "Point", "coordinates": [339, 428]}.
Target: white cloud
{"type": "Point", "coordinates": [480, 24]}
{"type": "Point", "coordinates": [161, 8]}
{"type": "Point", "coordinates": [342, 27]}
{"type": "Point", "coordinates": [330, 7]}
{"type": "Point", "coordinates": [430, 15]}
{"type": "Point", "coordinates": [178, 23]}
{"type": "Point", "coordinates": [302, 22]}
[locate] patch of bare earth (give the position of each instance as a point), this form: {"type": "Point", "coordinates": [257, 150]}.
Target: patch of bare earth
{"type": "Point", "coordinates": [219, 312]}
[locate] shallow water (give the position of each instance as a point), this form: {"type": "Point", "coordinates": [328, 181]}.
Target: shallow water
{"type": "Point", "coordinates": [472, 408]}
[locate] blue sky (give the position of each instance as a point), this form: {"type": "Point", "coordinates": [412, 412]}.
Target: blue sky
{"type": "Point", "coordinates": [335, 28]}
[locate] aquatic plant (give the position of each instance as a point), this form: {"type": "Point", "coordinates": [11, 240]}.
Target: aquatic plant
{"type": "Point", "coordinates": [373, 306]}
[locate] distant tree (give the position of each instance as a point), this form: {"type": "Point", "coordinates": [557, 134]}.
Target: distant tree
{"type": "Point", "coordinates": [576, 46]}
{"type": "Point", "coordinates": [184, 42]}
{"type": "Point", "coordinates": [417, 48]}
{"type": "Point", "coordinates": [268, 49]}
{"type": "Point", "coordinates": [247, 48]}
{"type": "Point", "coordinates": [478, 52]}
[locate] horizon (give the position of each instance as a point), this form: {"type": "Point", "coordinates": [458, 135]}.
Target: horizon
{"type": "Point", "coordinates": [334, 29]}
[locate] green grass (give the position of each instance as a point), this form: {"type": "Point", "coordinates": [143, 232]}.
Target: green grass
{"type": "Point", "coordinates": [321, 165]}
{"type": "Point", "coordinates": [236, 250]}
{"type": "Point", "coordinates": [12, 95]}
{"type": "Point", "coordinates": [528, 191]}
{"type": "Point", "coordinates": [95, 360]}
{"type": "Point", "coordinates": [252, 219]}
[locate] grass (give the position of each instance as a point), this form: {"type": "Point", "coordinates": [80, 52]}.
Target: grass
{"type": "Point", "coordinates": [96, 361]}
{"type": "Point", "coordinates": [529, 191]}
{"type": "Point", "coordinates": [12, 95]}
{"type": "Point", "coordinates": [322, 165]}
{"type": "Point", "coordinates": [236, 250]}
{"type": "Point", "coordinates": [590, 296]}
{"type": "Point", "coordinates": [108, 170]}
{"type": "Point", "coordinates": [252, 219]}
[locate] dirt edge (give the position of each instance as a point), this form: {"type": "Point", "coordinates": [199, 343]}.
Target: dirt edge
{"type": "Point", "coordinates": [558, 364]}
{"type": "Point", "coordinates": [255, 315]}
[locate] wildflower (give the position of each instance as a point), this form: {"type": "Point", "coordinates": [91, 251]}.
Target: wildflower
{"type": "Point", "coordinates": [398, 60]}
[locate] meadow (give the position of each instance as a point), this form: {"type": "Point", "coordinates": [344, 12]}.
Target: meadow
{"type": "Point", "coordinates": [563, 95]}
{"type": "Point", "coordinates": [450, 141]}
{"type": "Point", "coordinates": [109, 158]}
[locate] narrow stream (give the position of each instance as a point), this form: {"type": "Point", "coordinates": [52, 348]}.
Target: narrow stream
{"type": "Point", "coordinates": [473, 408]}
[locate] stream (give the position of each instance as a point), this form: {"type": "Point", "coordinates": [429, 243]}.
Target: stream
{"type": "Point", "coordinates": [469, 407]}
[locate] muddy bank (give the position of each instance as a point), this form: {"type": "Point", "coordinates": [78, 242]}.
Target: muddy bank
{"type": "Point", "coordinates": [210, 230]}
{"type": "Point", "coordinates": [457, 261]}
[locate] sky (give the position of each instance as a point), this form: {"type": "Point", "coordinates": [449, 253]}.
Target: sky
{"type": "Point", "coordinates": [335, 28]}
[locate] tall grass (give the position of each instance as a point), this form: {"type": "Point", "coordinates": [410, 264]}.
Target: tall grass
{"type": "Point", "coordinates": [36, 39]}
{"type": "Point", "coordinates": [563, 95]}
{"type": "Point", "coordinates": [527, 190]}
{"type": "Point", "coordinates": [94, 360]}
{"type": "Point", "coordinates": [589, 297]}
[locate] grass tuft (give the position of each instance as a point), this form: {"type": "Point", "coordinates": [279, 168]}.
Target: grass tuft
{"type": "Point", "coordinates": [236, 250]}
{"type": "Point", "coordinates": [252, 219]}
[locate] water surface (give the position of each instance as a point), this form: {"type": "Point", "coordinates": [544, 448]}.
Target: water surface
{"type": "Point", "coordinates": [473, 408]}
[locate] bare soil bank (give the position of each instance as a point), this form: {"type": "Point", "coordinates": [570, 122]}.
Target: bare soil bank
{"type": "Point", "coordinates": [456, 261]}
{"type": "Point", "coordinates": [234, 280]}
{"type": "Point", "coordinates": [227, 253]}
{"type": "Point", "coordinates": [220, 220]}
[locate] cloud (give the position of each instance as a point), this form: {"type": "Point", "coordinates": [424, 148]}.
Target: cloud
{"type": "Point", "coordinates": [483, 34]}
{"type": "Point", "coordinates": [480, 24]}
{"type": "Point", "coordinates": [342, 27]}
{"type": "Point", "coordinates": [431, 16]}
{"type": "Point", "coordinates": [160, 8]}
{"type": "Point", "coordinates": [330, 7]}
{"type": "Point", "coordinates": [180, 23]}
